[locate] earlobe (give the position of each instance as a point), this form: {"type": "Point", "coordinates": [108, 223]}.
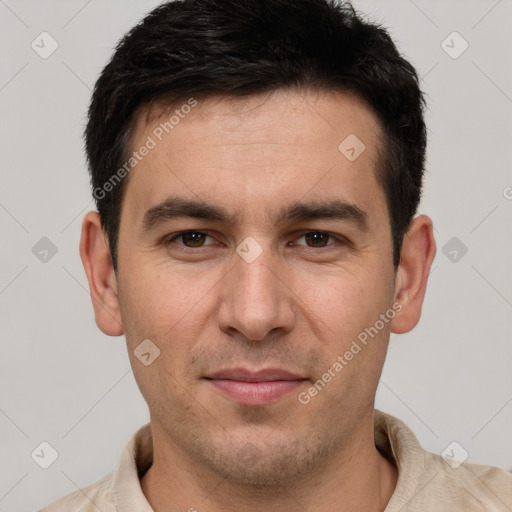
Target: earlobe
{"type": "Point", "coordinates": [97, 261]}
{"type": "Point", "coordinates": [418, 252]}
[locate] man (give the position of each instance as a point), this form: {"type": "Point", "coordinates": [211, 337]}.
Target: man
{"type": "Point", "coordinates": [257, 166]}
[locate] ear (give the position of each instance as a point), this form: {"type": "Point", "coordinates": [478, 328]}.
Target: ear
{"type": "Point", "coordinates": [97, 263]}
{"type": "Point", "coordinates": [418, 252]}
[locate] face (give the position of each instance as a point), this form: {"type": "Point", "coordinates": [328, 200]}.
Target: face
{"type": "Point", "coordinates": [286, 259]}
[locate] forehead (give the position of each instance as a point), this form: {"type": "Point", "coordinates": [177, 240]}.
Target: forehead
{"type": "Point", "coordinates": [265, 148]}
{"type": "Point", "coordinates": [318, 113]}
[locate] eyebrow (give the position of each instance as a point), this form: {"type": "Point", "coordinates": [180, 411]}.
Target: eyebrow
{"type": "Point", "coordinates": [179, 207]}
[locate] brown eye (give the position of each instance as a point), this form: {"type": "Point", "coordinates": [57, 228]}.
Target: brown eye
{"type": "Point", "coordinates": [193, 239]}
{"type": "Point", "coordinates": [316, 239]}
{"type": "Point", "coordinates": [190, 239]}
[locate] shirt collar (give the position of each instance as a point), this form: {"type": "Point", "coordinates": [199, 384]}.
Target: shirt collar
{"type": "Point", "coordinates": [136, 458]}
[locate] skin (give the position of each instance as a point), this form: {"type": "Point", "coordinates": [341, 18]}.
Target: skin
{"type": "Point", "coordinates": [298, 306]}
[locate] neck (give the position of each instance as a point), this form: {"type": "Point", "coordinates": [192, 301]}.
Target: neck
{"type": "Point", "coordinates": [355, 477]}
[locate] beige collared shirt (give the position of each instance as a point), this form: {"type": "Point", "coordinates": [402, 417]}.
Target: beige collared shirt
{"type": "Point", "coordinates": [426, 481]}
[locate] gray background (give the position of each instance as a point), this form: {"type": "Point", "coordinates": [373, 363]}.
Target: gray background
{"type": "Point", "coordinates": [64, 382]}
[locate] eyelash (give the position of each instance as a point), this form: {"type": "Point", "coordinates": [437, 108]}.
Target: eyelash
{"type": "Point", "coordinates": [172, 238]}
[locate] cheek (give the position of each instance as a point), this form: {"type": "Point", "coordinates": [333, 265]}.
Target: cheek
{"type": "Point", "coordinates": [169, 307]}
{"type": "Point", "coordinates": [342, 302]}
{"type": "Point", "coordinates": [158, 297]}
{"type": "Point", "coordinates": [341, 309]}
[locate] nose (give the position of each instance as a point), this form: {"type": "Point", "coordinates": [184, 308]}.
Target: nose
{"type": "Point", "coordinates": [257, 298]}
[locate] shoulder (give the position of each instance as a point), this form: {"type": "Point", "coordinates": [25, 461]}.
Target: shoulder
{"type": "Point", "coordinates": [470, 486]}
{"type": "Point", "coordinates": [122, 486]}
{"type": "Point", "coordinates": [427, 481]}
{"type": "Point", "coordinates": [89, 499]}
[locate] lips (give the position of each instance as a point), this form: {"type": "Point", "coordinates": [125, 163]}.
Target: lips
{"type": "Point", "coordinates": [266, 375]}
{"type": "Point", "coordinates": [261, 387]}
